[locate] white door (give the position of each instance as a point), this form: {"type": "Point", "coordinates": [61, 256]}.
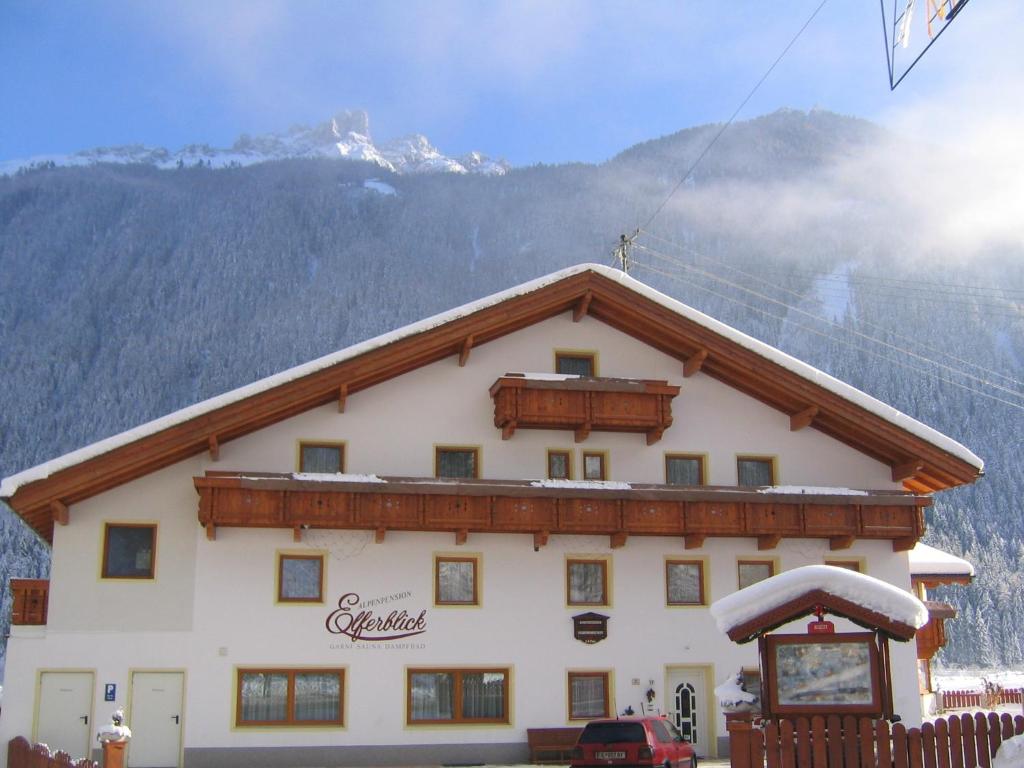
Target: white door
{"type": "Point", "coordinates": [65, 712]}
{"type": "Point", "coordinates": [156, 719]}
{"type": "Point", "coordinates": [687, 705]}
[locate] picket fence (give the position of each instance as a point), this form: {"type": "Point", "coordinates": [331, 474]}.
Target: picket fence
{"type": "Point", "coordinates": [965, 741]}
{"type": "Point", "coordinates": [21, 754]}
{"type": "Point", "coordinates": [979, 699]}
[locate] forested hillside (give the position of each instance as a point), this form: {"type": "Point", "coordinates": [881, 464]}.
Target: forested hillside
{"type": "Point", "coordinates": [129, 292]}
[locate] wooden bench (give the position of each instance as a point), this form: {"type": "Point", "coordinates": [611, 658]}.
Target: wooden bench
{"type": "Point", "coordinates": [552, 745]}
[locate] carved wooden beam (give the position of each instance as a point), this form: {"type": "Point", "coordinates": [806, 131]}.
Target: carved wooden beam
{"type": "Point", "coordinates": [540, 539]}
{"type": "Point", "coordinates": [214, 448]}
{"type": "Point", "coordinates": [461, 535]}
{"type": "Point", "coordinates": [694, 362]}
{"type": "Point", "coordinates": [508, 429]}
{"type": "Point", "coordinates": [464, 352]}
{"type": "Point", "coordinates": [840, 542]}
{"type": "Point", "coordinates": [906, 469]}
{"type": "Point", "coordinates": [582, 432]}
{"type": "Point", "coordinates": [342, 397]}
{"type": "Point", "coordinates": [211, 531]}
{"type": "Point", "coordinates": [768, 541]}
{"type": "Point", "coordinates": [654, 436]}
{"type": "Point", "coordinates": [803, 418]}
{"type": "Point", "coordinates": [904, 545]}
{"type": "Point", "coordinates": [60, 512]}
{"type": "Point", "coordinates": [693, 540]}
{"type": "Point", "coordinates": [580, 310]}
{"type": "Point", "coordinates": [297, 533]}
{"type": "Point", "coordinates": [379, 534]}
{"type": "Point", "coordinates": [618, 539]}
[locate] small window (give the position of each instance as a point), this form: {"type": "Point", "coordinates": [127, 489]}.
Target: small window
{"type": "Point", "coordinates": [290, 697]}
{"type": "Point", "coordinates": [595, 465]}
{"type": "Point", "coordinates": [129, 551]}
{"type": "Point", "coordinates": [300, 578]}
{"type": "Point", "coordinates": [456, 580]}
{"type": "Point", "coordinates": [457, 462]}
{"type": "Point", "coordinates": [752, 571]}
{"type": "Point", "coordinates": [326, 458]}
{"type": "Point", "coordinates": [588, 695]}
{"type": "Point", "coordinates": [441, 696]}
{"type": "Point", "coordinates": [560, 465]}
{"type": "Point", "coordinates": [684, 580]}
{"type": "Point", "coordinates": [850, 565]}
{"type": "Point", "coordinates": [586, 582]}
{"type": "Point", "coordinates": [684, 470]}
{"type": "Point", "coordinates": [575, 363]}
{"type": "Point", "coordinates": [754, 471]}
{"type": "Point", "coordinates": [752, 681]}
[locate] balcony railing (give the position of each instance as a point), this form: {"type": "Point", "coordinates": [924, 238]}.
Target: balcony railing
{"type": "Point", "coordinates": [31, 597]}
{"type": "Point", "coordinates": [582, 405]}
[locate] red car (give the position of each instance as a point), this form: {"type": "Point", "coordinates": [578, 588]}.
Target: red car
{"type": "Point", "coordinates": [633, 741]}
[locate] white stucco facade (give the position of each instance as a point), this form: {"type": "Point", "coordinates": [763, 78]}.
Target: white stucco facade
{"type": "Point", "coordinates": [212, 606]}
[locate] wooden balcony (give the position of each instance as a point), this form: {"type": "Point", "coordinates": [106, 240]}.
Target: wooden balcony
{"type": "Point", "coordinates": [544, 508]}
{"type": "Point", "coordinates": [583, 405]}
{"type": "Point", "coordinates": [31, 597]}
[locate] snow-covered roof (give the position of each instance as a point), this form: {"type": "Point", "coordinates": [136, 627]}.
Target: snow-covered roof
{"type": "Point", "coordinates": [10, 485]}
{"type": "Point", "coordinates": [928, 561]}
{"type": "Point", "coordinates": [872, 594]}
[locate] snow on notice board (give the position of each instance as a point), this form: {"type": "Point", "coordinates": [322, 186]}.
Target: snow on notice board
{"type": "Point", "coordinates": [871, 593]}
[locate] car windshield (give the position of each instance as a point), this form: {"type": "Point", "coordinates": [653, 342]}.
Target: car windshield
{"type": "Point", "coordinates": [613, 733]}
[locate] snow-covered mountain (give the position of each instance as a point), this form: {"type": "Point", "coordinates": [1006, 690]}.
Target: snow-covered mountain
{"type": "Point", "coordinates": [344, 136]}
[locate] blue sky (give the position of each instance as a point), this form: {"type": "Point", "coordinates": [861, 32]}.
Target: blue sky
{"type": "Point", "coordinates": [545, 81]}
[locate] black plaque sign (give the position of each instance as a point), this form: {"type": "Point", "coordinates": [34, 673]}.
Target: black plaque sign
{"type": "Point", "coordinates": [590, 627]}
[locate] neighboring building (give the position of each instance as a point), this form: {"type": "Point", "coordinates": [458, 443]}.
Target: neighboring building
{"type": "Point", "coordinates": [580, 444]}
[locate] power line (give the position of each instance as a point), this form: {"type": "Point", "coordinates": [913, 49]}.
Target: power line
{"type": "Point", "coordinates": [854, 332]}
{"type": "Point", "coordinates": [732, 117]}
{"type": "Point", "coordinates": [901, 363]}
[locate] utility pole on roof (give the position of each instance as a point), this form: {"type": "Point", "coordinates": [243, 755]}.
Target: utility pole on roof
{"type": "Point", "coordinates": [622, 250]}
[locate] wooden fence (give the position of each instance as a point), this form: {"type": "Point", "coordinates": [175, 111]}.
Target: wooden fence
{"type": "Point", "coordinates": [979, 699]}
{"type": "Point", "coordinates": [21, 754]}
{"type": "Point", "coordinates": [956, 742]}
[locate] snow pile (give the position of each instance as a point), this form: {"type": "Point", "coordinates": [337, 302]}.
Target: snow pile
{"type": "Point", "coordinates": [600, 485]}
{"type": "Point", "coordinates": [331, 477]}
{"type": "Point", "coordinates": [926, 560]}
{"type": "Point", "coordinates": [1010, 754]}
{"type": "Point", "coordinates": [871, 593]}
{"type": "Point", "coordinates": [820, 490]}
{"type": "Point", "coordinates": [733, 696]}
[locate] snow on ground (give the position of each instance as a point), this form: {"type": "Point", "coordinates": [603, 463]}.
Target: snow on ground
{"type": "Point", "coordinates": [378, 186]}
{"type": "Point", "coordinates": [974, 679]}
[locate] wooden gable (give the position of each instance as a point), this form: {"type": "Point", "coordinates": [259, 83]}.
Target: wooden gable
{"type": "Point", "coordinates": [923, 466]}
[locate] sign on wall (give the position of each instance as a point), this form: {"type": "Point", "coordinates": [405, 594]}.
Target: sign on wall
{"type": "Point", "coordinates": [361, 622]}
{"type": "Point", "coordinates": [590, 627]}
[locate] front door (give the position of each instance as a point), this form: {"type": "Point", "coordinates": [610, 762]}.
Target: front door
{"type": "Point", "coordinates": [687, 705]}
{"type": "Point", "coordinates": [65, 712]}
{"type": "Point", "coordinates": [156, 719]}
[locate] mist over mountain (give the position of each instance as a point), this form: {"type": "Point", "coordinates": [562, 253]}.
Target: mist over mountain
{"type": "Point", "coordinates": [132, 289]}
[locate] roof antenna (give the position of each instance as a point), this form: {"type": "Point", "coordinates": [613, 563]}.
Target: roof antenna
{"type": "Point", "coordinates": [622, 250]}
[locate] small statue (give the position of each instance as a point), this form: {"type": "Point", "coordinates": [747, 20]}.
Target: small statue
{"type": "Point", "coordinates": [116, 732]}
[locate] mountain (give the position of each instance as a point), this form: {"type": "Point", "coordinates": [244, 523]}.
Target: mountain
{"type": "Point", "coordinates": [345, 136]}
{"type": "Point", "coordinates": [129, 291]}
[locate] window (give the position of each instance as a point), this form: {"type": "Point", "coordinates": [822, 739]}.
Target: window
{"type": "Point", "coordinates": [586, 582]}
{"type": "Point", "coordinates": [457, 696]}
{"type": "Point", "coordinates": [128, 551]}
{"type": "Point", "coordinates": [755, 470]}
{"type": "Point", "coordinates": [684, 582]}
{"type": "Point", "coordinates": [588, 695]}
{"type": "Point", "coordinates": [560, 465]}
{"type": "Point", "coordinates": [850, 565]}
{"type": "Point", "coordinates": [300, 578]}
{"type": "Point", "coordinates": [752, 681]}
{"type": "Point", "coordinates": [456, 462]}
{"type": "Point", "coordinates": [290, 697]}
{"type": "Point", "coordinates": [456, 580]}
{"type": "Point", "coordinates": [327, 458]}
{"type": "Point", "coordinates": [576, 363]}
{"type": "Point", "coordinates": [752, 571]}
{"type": "Point", "coordinates": [595, 465]}
{"type": "Point", "coordinates": [684, 470]}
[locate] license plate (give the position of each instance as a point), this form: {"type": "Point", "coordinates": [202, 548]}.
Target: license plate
{"type": "Point", "coordinates": [611, 755]}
